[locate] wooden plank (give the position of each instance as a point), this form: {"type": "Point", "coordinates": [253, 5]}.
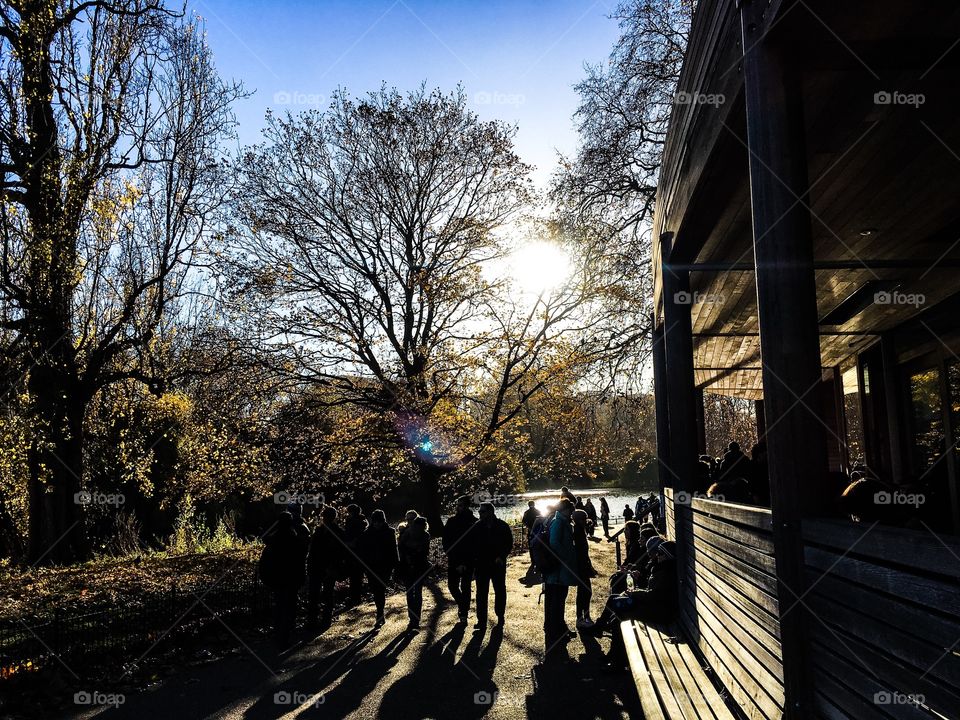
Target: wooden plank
{"type": "Point", "coordinates": [857, 682]}
{"type": "Point", "coordinates": [761, 579]}
{"type": "Point", "coordinates": [836, 701]}
{"type": "Point", "coordinates": [889, 671]}
{"type": "Point", "coordinates": [932, 660]}
{"type": "Point", "coordinates": [748, 515]}
{"type": "Point", "coordinates": [926, 623]}
{"type": "Point", "coordinates": [658, 677]}
{"type": "Point", "coordinates": [921, 590]}
{"type": "Point", "coordinates": [756, 540]}
{"type": "Point", "coordinates": [767, 623]}
{"type": "Point", "coordinates": [755, 596]}
{"type": "Point", "coordinates": [642, 676]}
{"type": "Point", "coordinates": [676, 684]}
{"type": "Point", "coordinates": [756, 556]}
{"type": "Point", "coordinates": [887, 545]}
{"type": "Point", "coordinates": [710, 693]}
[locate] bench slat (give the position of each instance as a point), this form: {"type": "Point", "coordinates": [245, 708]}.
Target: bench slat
{"type": "Point", "coordinates": [641, 675]}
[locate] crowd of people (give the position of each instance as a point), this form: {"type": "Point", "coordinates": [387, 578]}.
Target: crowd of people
{"type": "Point", "coordinates": [365, 553]}
{"type": "Point", "coordinates": [734, 477]}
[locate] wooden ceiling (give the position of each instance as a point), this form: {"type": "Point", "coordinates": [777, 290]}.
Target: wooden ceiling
{"type": "Point", "coordinates": [884, 186]}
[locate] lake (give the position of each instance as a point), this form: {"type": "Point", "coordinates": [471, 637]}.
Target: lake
{"type": "Point", "coordinates": [512, 507]}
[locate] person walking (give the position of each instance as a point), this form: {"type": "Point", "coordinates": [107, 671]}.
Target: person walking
{"type": "Point", "coordinates": [529, 518]}
{"type": "Point", "coordinates": [493, 542]}
{"type": "Point", "coordinates": [282, 568]}
{"type": "Point", "coordinates": [558, 581]}
{"type": "Point", "coordinates": [413, 545]}
{"type": "Point", "coordinates": [378, 551]}
{"type": "Point", "coordinates": [353, 529]}
{"type": "Point", "coordinates": [325, 562]}
{"type": "Point", "coordinates": [605, 517]}
{"type": "Point", "coordinates": [585, 569]}
{"type": "Point", "coordinates": [458, 545]}
{"type": "Point", "coordinates": [591, 511]}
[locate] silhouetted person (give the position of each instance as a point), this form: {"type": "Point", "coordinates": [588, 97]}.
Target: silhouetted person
{"type": "Point", "coordinates": [591, 511]}
{"type": "Point", "coordinates": [760, 474]}
{"type": "Point", "coordinates": [585, 571]}
{"type": "Point", "coordinates": [458, 545]}
{"type": "Point", "coordinates": [408, 517]}
{"type": "Point", "coordinates": [353, 528]}
{"type": "Point", "coordinates": [734, 462]}
{"type": "Point", "coordinates": [656, 603]}
{"type": "Point", "coordinates": [378, 551]}
{"type": "Point", "coordinates": [605, 517]}
{"type": "Point", "coordinates": [627, 513]}
{"type": "Point", "coordinates": [558, 581]}
{"type": "Point", "coordinates": [414, 547]}
{"type": "Point", "coordinates": [325, 563]}
{"type": "Point", "coordinates": [493, 541]}
{"type": "Point", "coordinates": [565, 492]}
{"type": "Point", "coordinates": [283, 568]}
{"type": "Point", "coordinates": [530, 516]}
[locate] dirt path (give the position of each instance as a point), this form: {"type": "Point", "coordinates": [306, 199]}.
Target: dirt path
{"type": "Point", "coordinates": [445, 671]}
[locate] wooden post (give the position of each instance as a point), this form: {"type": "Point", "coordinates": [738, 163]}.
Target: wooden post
{"type": "Point", "coordinates": [789, 331]}
{"type": "Point", "coordinates": [701, 422]}
{"type": "Point", "coordinates": [761, 421]}
{"type": "Point", "coordinates": [661, 407]}
{"type": "Point", "coordinates": [892, 405]}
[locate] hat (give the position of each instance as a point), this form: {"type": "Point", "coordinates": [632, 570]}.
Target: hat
{"type": "Point", "coordinates": [653, 544]}
{"type": "Point", "coordinates": [668, 548]}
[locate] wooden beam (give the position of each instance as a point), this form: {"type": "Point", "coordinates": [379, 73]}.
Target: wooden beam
{"type": "Point", "coordinates": [701, 422]}
{"type": "Point", "coordinates": [661, 407]}
{"type": "Point", "coordinates": [874, 264]}
{"type": "Point", "coordinates": [789, 331]}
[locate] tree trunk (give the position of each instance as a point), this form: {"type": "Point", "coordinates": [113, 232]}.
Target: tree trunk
{"type": "Point", "coordinates": [430, 497]}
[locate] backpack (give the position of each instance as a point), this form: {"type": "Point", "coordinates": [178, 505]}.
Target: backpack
{"type": "Point", "coordinates": [541, 554]}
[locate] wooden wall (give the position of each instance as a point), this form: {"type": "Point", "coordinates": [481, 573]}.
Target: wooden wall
{"type": "Point", "coordinates": [885, 621]}
{"type": "Point", "coordinates": [728, 600]}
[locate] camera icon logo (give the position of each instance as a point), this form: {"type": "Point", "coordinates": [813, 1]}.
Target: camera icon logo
{"type": "Point", "coordinates": [683, 298]}
{"type": "Point", "coordinates": [882, 98]}
{"type": "Point", "coordinates": [82, 698]}
{"type": "Point", "coordinates": [484, 698]}
{"type": "Point", "coordinates": [882, 498]}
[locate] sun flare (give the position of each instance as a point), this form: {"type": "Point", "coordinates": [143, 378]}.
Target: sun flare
{"type": "Point", "coordinates": [539, 266]}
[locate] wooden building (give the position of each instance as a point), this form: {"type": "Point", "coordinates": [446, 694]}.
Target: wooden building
{"type": "Point", "coordinates": [807, 256]}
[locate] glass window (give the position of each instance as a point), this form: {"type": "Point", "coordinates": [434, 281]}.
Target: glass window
{"type": "Point", "coordinates": [928, 431]}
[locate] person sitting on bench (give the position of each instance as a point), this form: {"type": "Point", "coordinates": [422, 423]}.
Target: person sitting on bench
{"type": "Point", "coordinates": [656, 603]}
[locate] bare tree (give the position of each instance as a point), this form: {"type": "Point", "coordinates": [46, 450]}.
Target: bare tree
{"type": "Point", "coordinates": [374, 232]}
{"type": "Point", "coordinates": [606, 192]}
{"type": "Point", "coordinates": [111, 114]}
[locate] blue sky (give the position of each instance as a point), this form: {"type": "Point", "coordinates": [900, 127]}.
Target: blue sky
{"type": "Point", "coordinates": [517, 59]}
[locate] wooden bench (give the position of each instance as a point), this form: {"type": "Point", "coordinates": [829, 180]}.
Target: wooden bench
{"type": "Point", "coordinates": [670, 680]}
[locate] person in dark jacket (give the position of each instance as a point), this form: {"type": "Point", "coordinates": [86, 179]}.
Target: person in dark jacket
{"type": "Point", "coordinates": [414, 547]}
{"type": "Point", "coordinates": [605, 517]}
{"type": "Point", "coordinates": [283, 569]}
{"type": "Point", "coordinates": [325, 563]}
{"type": "Point", "coordinates": [530, 518]}
{"type": "Point", "coordinates": [353, 528]}
{"type": "Point", "coordinates": [458, 545]}
{"type": "Point", "coordinates": [591, 511]}
{"type": "Point", "coordinates": [557, 582]}
{"type": "Point", "coordinates": [492, 543]}
{"type": "Point", "coordinates": [378, 550]}
{"type": "Point", "coordinates": [585, 570]}
{"type": "Point", "coordinates": [658, 602]}
{"type": "Point", "coordinates": [627, 513]}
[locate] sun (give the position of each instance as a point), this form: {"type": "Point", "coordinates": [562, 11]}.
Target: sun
{"type": "Point", "coordinates": [539, 266]}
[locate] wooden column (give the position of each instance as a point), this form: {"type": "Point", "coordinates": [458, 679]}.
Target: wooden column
{"type": "Point", "coordinates": [789, 331]}
{"type": "Point", "coordinates": [892, 406]}
{"type": "Point", "coordinates": [681, 387]}
{"type": "Point", "coordinates": [701, 422]}
{"type": "Point", "coordinates": [761, 421]}
{"type": "Point", "coordinates": [661, 406]}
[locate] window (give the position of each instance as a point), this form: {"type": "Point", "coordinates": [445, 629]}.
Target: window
{"type": "Point", "coordinates": [853, 418]}
{"type": "Point", "coordinates": [927, 416]}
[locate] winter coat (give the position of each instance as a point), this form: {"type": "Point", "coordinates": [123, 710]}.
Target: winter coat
{"type": "Point", "coordinates": [458, 538]}
{"type": "Point", "coordinates": [283, 560]}
{"type": "Point", "coordinates": [414, 549]}
{"type": "Point", "coordinates": [328, 553]}
{"type": "Point", "coordinates": [491, 543]}
{"type": "Point", "coordinates": [584, 567]}
{"type": "Point", "coordinates": [377, 547]}
{"type": "Point", "coordinates": [561, 543]}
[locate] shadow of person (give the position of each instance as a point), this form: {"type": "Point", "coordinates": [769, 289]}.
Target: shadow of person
{"type": "Point", "coordinates": [309, 680]}
{"type": "Point", "coordinates": [609, 696]}
{"type": "Point", "coordinates": [439, 685]}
